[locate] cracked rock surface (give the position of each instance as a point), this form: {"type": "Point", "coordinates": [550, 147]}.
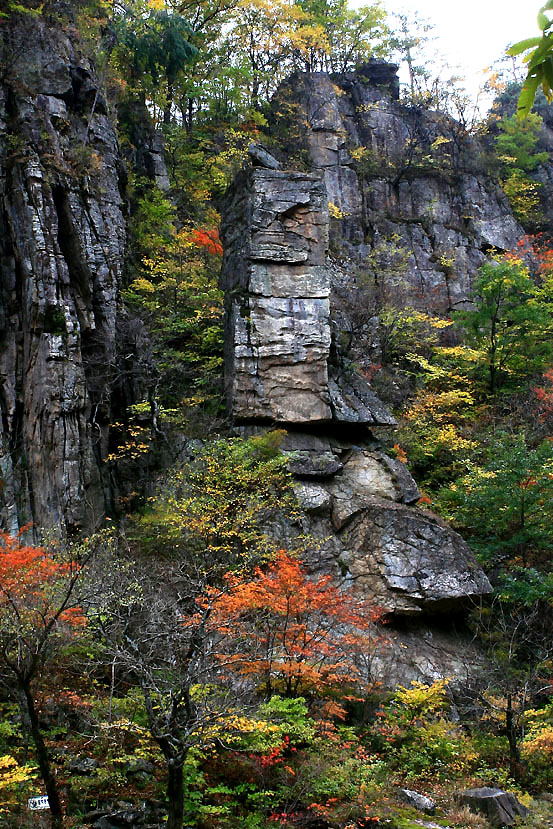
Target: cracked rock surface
{"type": "Point", "coordinates": [62, 240]}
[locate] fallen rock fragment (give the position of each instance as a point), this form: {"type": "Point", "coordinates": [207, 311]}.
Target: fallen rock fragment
{"type": "Point", "coordinates": [418, 801]}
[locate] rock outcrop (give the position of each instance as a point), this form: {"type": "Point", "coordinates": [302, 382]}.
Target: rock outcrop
{"type": "Point", "coordinates": [499, 807]}
{"type": "Point", "coordinates": [63, 237]}
{"type": "Point", "coordinates": [283, 368]}
{"type": "Point", "coordinates": [277, 283]}
{"type": "Point", "coordinates": [360, 504]}
{"type": "Point", "coordinates": [398, 173]}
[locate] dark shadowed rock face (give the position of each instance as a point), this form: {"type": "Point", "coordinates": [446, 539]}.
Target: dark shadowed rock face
{"type": "Point", "coordinates": [62, 243]}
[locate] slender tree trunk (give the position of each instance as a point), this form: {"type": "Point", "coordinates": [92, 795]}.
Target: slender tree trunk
{"type": "Point", "coordinates": [175, 794]}
{"type": "Point", "coordinates": [43, 760]}
{"type": "Point", "coordinates": [168, 105]}
{"type": "Point", "coordinates": [512, 738]}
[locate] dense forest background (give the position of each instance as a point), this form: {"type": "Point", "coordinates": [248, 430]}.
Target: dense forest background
{"type": "Point", "coordinates": [175, 664]}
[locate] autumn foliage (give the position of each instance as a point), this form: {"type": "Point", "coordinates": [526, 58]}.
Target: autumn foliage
{"type": "Point", "coordinates": [30, 581]}
{"type": "Point", "coordinates": [38, 610]}
{"type": "Point", "coordinates": [207, 239]}
{"type": "Point", "coordinates": [295, 634]}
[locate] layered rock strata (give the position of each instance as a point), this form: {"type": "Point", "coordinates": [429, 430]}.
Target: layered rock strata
{"type": "Point", "coordinates": [398, 173]}
{"type": "Point", "coordinates": [63, 238]}
{"type": "Point", "coordinates": [278, 331]}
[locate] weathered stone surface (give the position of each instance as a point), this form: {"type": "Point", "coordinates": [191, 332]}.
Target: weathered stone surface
{"type": "Point", "coordinates": [403, 479]}
{"type": "Point", "coordinates": [312, 498]}
{"type": "Point", "coordinates": [436, 199]}
{"type": "Point", "coordinates": [425, 652]}
{"type": "Point", "coordinates": [62, 239]}
{"type": "Point", "coordinates": [405, 560]}
{"type": "Point", "coordinates": [314, 465]}
{"type": "Point", "coordinates": [418, 801]}
{"type": "Point", "coordinates": [83, 765]}
{"type": "Point", "coordinates": [500, 808]}
{"type": "Point", "coordinates": [262, 157]}
{"type": "Point", "coordinates": [352, 401]}
{"type": "Point", "coordinates": [282, 365]}
{"type": "Point", "coordinates": [278, 333]}
{"type": "Point", "coordinates": [419, 561]}
{"type": "Point", "coordinates": [363, 477]}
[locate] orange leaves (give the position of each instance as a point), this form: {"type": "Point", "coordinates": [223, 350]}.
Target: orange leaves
{"type": "Point", "coordinates": [207, 239]}
{"type": "Point", "coordinates": [293, 632]}
{"type": "Point", "coordinates": [35, 585]}
{"type": "Point", "coordinates": [544, 396]}
{"type": "Point", "coordinates": [401, 455]}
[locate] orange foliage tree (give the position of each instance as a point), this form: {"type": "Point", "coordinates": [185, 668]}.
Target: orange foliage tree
{"type": "Point", "coordinates": [38, 613]}
{"type": "Point", "coordinates": [298, 635]}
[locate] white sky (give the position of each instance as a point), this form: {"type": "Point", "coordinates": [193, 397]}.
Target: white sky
{"type": "Point", "coordinates": [472, 34]}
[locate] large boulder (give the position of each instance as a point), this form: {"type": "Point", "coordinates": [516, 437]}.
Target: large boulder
{"type": "Point", "coordinates": [361, 504]}
{"type": "Point", "coordinates": [499, 807]}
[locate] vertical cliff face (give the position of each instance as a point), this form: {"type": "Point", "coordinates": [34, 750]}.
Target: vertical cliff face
{"type": "Point", "coordinates": [398, 173]}
{"type": "Point", "coordinates": [63, 240]}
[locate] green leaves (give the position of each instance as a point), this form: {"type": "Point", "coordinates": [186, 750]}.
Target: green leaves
{"type": "Point", "coordinates": [523, 46]}
{"type": "Point", "coordinates": [543, 21]}
{"type": "Point", "coordinates": [160, 44]}
{"type": "Point", "coordinates": [540, 63]}
{"type": "Point", "coordinates": [515, 486]}
{"type": "Point", "coordinates": [510, 323]}
{"type": "Point", "coordinates": [528, 94]}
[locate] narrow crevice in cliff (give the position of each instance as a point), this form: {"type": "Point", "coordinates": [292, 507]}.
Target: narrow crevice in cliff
{"type": "Point", "coordinates": [68, 241]}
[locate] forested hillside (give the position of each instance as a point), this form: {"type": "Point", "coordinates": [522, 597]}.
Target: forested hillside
{"type": "Point", "coordinates": [276, 397]}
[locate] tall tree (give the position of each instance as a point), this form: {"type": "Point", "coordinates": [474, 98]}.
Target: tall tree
{"type": "Point", "coordinates": [296, 634]}
{"type": "Point", "coordinates": [155, 616]}
{"type": "Point", "coordinates": [38, 614]}
{"type": "Point", "coordinates": [510, 322]}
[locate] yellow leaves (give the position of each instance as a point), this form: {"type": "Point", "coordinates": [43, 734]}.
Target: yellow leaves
{"type": "Point", "coordinates": [523, 195]}
{"type": "Point", "coordinates": [440, 407]}
{"type": "Point", "coordinates": [12, 775]}
{"type": "Point", "coordinates": [447, 262]}
{"type": "Point", "coordinates": [309, 37]}
{"type": "Point", "coordinates": [441, 139]}
{"type": "Point", "coordinates": [359, 153]}
{"type": "Point", "coordinates": [142, 285]}
{"type": "Point", "coordinates": [422, 699]}
{"type": "Point", "coordinates": [334, 211]}
{"type": "Point", "coordinates": [234, 727]}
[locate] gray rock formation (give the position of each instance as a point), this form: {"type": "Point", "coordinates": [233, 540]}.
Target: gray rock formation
{"type": "Point", "coordinates": [281, 368]}
{"type": "Point", "coordinates": [418, 801]}
{"type": "Point", "coordinates": [393, 172]}
{"type": "Point", "coordinates": [359, 502]}
{"type": "Point", "coordinates": [62, 243]}
{"type": "Point", "coordinates": [499, 807]}
{"type": "Point", "coordinates": [278, 332]}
